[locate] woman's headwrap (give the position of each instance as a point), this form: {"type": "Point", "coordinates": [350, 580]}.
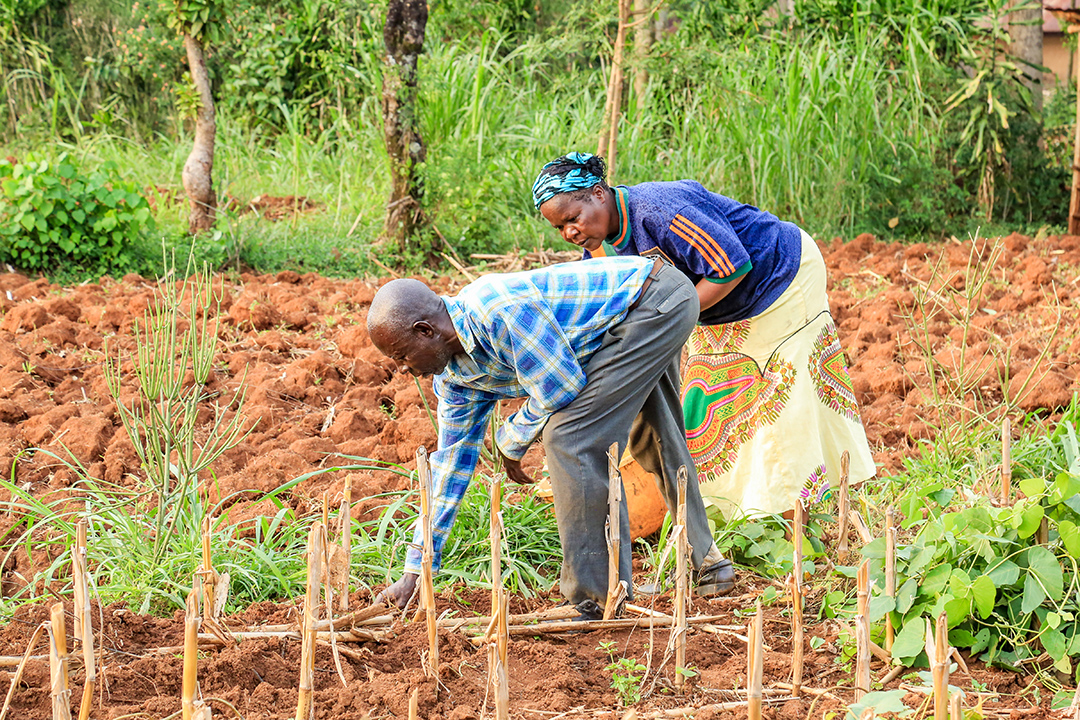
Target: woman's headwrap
{"type": "Point", "coordinates": [564, 174]}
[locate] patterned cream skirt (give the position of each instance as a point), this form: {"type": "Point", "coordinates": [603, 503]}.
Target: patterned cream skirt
{"type": "Point", "coordinates": [769, 403]}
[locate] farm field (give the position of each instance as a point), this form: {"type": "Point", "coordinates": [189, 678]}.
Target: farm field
{"type": "Point", "coordinates": [940, 337]}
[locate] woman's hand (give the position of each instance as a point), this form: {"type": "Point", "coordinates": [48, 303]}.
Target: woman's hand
{"type": "Point", "coordinates": [399, 593]}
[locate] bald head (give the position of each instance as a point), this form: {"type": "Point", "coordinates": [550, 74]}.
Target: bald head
{"type": "Point", "coordinates": [399, 304]}
{"type": "Point", "coordinates": [409, 323]}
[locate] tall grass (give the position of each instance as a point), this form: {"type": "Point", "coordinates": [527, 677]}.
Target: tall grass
{"type": "Point", "coordinates": [802, 127]}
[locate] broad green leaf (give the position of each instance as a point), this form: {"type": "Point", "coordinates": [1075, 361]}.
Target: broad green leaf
{"type": "Point", "coordinates": [905, 596]}
{"type": "Point", "coordinates": [1030, 519]}
{"type": "Point", "coordinates": [982, 641]}
{"type": "Point", "coordinates": [922, 559]}
{"type": "Point", "coordinates": [1006, 573]}
{"type": "Point", "coordinates": [1032, 486]}
{"type": "Point", "coordinates": [908, 643]}
{"type": "Point", "coordinates": [1043, 564]}
{"type": "Point", "coordinates": [1065, 486]}
{"type": "Point", "coordinates": [959, 583]}
{"type": "Point", "coordinates": [936, 580]}
{"type": "Point", "coordinates": [1070, 537]}
{"type": "Point", "coordinates": [1054, 642]}
{"type": "Point", "coordinates": [984, 594]}
{"type": "Point", "coordinates": [957, 610]}
{"type": "Point", "coordinates": [1033, 594]}
{"type": "Point", "coordinates": [961, 638]}
{"type": "Point", "coordinates": [884, 702]}
{"type": "Point", "coordinates": [879, 605]}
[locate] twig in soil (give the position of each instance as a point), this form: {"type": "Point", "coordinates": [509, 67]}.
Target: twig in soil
{"type": "Point", "coordinates": [22, 666]}
{"type": "Point", "coordinates": [862, 632]}
{"type": "Point", "coordinates": [681, 597]}
{"type": "Point", "coordinates": [497, 650]}
{"type": "Point", "coordinates": [84, 631]}
{"type": "Point", "coordinates": [890, 571]}
{"type": "Point", "coordinates": [58, 664]}
{"type": "Point", "coordinates": [940, 666]}
{"type": "Point", "coordinates": [1006, 462]}
{"type": "Point", "coordinates": [815, 692]}
{"type": "Point", "coordinates": [616, 591]}
{"type": "Point", "coordinates": [754, 665]}
{"type": "Point", "coordinates": [797, 600]}
{"type": "Point", "coordinates": [427, 587]}
{"type": "Point", "coordinates": [842, 506]}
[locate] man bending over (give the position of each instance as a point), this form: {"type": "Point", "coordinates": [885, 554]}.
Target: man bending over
{"type": "Point", "coordinates": [594, 347]}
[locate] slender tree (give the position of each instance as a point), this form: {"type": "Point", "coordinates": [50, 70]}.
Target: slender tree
{"type": "Point", "coordinates": [195, 21]}
{"type": "Point", "coordinates": [406, 23]}
{"type": "Point", "coordinates": [1025, 29]}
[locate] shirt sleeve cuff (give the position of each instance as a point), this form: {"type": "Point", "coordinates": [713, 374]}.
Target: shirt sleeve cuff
{"type": "Point", "coordinates": [739, 272]}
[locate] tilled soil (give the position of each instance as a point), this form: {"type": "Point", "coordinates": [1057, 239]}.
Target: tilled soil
{"type": "Point", "coordinates": [318, 390]}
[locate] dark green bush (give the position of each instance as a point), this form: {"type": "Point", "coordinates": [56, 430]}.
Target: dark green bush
{"type": "Point", "coordinates": [51, 213]}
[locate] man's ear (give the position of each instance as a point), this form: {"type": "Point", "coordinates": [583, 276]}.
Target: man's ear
{"type": "Point", "coordinates": [423, 328]}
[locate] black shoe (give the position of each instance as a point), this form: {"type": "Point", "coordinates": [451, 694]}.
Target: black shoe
{"type": "Point", "coordinates": [587, 609]}
{"type": "Point", "coordinates": [716, 580]}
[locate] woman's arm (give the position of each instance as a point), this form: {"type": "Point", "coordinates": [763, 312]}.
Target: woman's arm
{"type": "Point", "coordinates": [709, 293]}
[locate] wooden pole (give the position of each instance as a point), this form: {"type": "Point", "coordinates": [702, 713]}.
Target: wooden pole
{"type": "Point", "coordinates": [316, 550]}
{"type": "Point", "coordinates": [797, 601]}
{"type": "Point", "coordinates": [84, 631]}
{"type": "Point", "coordinates": [209, 577]}
{"type": "Point", "coordinates": [427, 581]}
{"type": "Point", "coordinates": [890, 572]}
{"type": "Point", "coordinates": [497, 649]}
{"type": "Point", "coordinates": [755, 663]}
{"type": "Point", "coordinates": [346, 544]}
{"type": "Point", "coordinates": [616, 590]}
{"type": "Point", "coordinates": [190, 681]}
{"type": "Point", "coordinates": [956, 707]}
{"type": "Point", "coordinates": [58, 664]}
{"type": "Point", "coordinates": [1006, 449]}
{"type": "Point", "coordinates": [940, 669]}
{"type": "Point", "coordinates": [681, 589]}
{"type": "Point", "coordinates": [862, 632]}
{"type": "Point", "coordinates": [843, 506]}
{"type": "Point", "coordinates": [1074, 198]}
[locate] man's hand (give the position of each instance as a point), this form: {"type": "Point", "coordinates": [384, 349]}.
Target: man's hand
{"type": "Point", "coordinates": [400, 592]}
{"type": "Point", "coordinates": [514, 471]}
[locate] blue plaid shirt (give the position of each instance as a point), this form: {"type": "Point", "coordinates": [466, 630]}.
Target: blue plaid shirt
{"type": "Point", "coordinates": [527, 334]}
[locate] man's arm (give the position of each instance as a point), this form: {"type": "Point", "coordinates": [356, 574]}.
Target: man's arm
{"type": "Point", "coordinates": [463, 414]}
{"type": "Point", "coordinates": [548, 371]}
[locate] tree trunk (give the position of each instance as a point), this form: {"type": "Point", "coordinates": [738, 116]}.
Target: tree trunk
{"type": "Point", "coordinates": [609, 133]}
{"type": "Point", "coordinates": [642, 44]}
{"type": "Point", "coordinates": [406, 22]}
{"type": "Point", "coordinates": [198, 170]}
{"type": "Point", "coordinates": [1025, 29]}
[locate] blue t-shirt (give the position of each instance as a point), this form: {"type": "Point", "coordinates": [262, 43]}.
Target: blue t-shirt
{"type": "Point", "coordinates": [709, 236]}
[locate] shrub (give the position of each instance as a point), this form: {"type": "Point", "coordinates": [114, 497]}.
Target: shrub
{"type": "Point", "coordinates": [50, 212]}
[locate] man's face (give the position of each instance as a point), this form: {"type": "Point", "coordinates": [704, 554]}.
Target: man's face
{"type": "Point", "coordinates": [418, 350]}
{"type": "Point", "coordinates": [581, 222]}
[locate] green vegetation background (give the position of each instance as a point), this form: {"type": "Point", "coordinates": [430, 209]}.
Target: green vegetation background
{"type": "Point", "coordinates": [897, 117]}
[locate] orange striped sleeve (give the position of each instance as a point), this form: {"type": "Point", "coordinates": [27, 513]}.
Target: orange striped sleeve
{"type": "Point", "coordinates": [705, 241]}
{"type": "Point", "coordinates": [709, 258]}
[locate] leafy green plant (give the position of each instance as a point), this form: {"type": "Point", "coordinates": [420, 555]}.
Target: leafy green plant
{"type": "Point", "coordinates": [1005, 576]}
{"type": "Point", "coordinates": [50, 212]}
{"type": "Point", "coordinates": [626, 675]}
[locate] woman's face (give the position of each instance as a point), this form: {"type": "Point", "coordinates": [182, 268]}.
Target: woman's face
{"type": "Point", "coordinates": [585, 223]}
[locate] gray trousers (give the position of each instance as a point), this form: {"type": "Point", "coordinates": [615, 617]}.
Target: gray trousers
{"type": "Point", "coordinates": [632, 393]}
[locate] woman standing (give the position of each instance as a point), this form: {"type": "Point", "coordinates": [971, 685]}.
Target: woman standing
{"type": "Point", "coordinates": [767, 399]}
